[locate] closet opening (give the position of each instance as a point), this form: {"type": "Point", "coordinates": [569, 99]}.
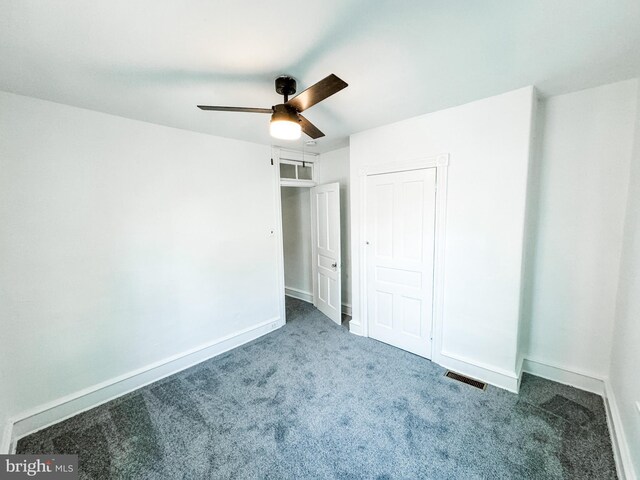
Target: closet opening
{"type": "Point", "coordinates": [310, 216]}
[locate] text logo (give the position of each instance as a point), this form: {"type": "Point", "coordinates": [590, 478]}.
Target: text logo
{"type": "Point", "coordinates": [49, 467]}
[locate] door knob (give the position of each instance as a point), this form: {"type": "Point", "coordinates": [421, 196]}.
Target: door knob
{"type": "Point", "coordinates": [334, 265]}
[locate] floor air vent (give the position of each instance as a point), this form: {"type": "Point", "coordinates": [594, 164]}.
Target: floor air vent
{"type": "Point", "coordinates": [467, 380]}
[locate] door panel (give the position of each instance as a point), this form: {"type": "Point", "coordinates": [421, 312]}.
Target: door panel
{"type": "Point", "coordinates": [400, 251]}
{"type": "Point", "coordinates": [325, 221]}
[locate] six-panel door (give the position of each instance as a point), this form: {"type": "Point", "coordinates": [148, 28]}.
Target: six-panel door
{"type": "Point", "coordinates": [400, 236]}
{"type": "Point", "coordinates": [325, 221]}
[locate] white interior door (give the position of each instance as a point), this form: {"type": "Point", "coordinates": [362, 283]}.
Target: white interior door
{"type": "Point", "coordinates": [325, 237]}
{"type": "Point", "coordinates": [400, 252]}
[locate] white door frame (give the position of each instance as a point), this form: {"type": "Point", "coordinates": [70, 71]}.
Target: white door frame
{"type": "Point", "coordinates": [279, 240]}
{"type": "Point", "coordinates": [440, 163]}
{"type": "Point", "coordinates": [276, 154]}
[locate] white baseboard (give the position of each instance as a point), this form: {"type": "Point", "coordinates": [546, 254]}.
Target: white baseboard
{"type": "Point", "coordinates": [621, 451]}
{"type": "Point", "coordinates": [486, 373]}
{"type": "Point", "coordinates": [308, 297]}
{"type": "Point", "coordinates": [582, 380]}
{"type": "Point", "coordinates": [356, 328]}
{"type": "Point", "coordinates": [299, 294]}
{"type": "Point", "coordinates": [53, 412]}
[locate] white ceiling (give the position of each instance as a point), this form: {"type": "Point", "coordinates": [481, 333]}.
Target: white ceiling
{"type": "Point", "coordinates": [154, 60]}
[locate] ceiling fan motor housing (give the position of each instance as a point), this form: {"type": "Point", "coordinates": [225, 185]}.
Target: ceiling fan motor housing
{"type": "Point", "coordinates": [284, 112]}
{"type": "Point", "coordinates": [285, 85]}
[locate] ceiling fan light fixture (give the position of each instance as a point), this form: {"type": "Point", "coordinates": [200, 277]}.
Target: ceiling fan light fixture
{"type": "Point", "coordinates": [285, 129]}
{"type": "Point", "coordinates": [285, 124]}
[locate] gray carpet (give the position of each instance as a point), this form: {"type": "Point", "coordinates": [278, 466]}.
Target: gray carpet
{"type": "Point", "coordinates": [313, 401]}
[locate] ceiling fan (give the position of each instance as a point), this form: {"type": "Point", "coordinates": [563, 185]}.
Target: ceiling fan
{"type": "Point", "coordinates": [286, 121]}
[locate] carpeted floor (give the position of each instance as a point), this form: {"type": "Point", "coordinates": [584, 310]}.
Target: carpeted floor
{"type": "Point", "coordinates": [313, 401]}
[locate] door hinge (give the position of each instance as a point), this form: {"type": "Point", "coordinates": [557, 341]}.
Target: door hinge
{"type": "Point", "coordinates": [272, 161]}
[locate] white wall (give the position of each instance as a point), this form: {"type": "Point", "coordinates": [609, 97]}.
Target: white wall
{"type": "Point", "coordinates": [581, 193]}
{"type": "Point", "coordinates": [625, 360]}
{"type": "Point", "coordinates": [488, 143]}
{"type": "Point", "coordinates": [296, 233]}
{"type": "Point", "coordinates": [123, 243]}
{"type": "Point", "coordinates": [334, 167]}
{"type": "Point", "coordinates": [5, 427]}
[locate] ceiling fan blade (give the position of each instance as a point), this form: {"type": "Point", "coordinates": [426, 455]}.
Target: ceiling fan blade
{"type": "Point", "coordinates": [236, 109]}
{"type": "Point", "coordinates": [318, 92]}
{"type": "Point", "coordinates": [309, 128]}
